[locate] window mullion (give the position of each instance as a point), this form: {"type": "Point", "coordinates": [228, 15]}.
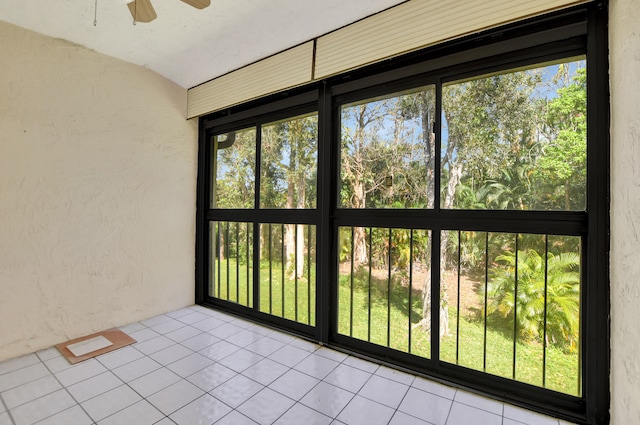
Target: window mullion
{"type": "Point", "coordinates": [326, 276]}
{"type": "Point", "coordinates": [436, 233]}
{"type": "Point", "coordinates": [438, 147]}
{"type": "Point", "coordinates": [256, 221]}
{"type": "Point", "coordinates": [257, 177]}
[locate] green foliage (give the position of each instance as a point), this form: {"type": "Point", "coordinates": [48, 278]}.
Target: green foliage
{"type": "Point", "coordinates": [562, 295]}
{"type": "Point", "coordinates": [511, 191]}
{"type": "Point", "coordinates": [518, 139]}
{"type": "Point", "coordinates": [490, 122]}
{"type": "Point", "coordinates": [565, 154]}
{"type": "Point", "coordinates": [289, 163]}
{"type": "Point", "coordinates": [387, 152]}
{"type": "Point", "coordinates": [235, 172]}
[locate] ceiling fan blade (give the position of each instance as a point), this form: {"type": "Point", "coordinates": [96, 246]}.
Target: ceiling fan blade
{"type": "Point", "coordinates": [142, 10]}
{"type": "Point", "coordinates": [198, 4]}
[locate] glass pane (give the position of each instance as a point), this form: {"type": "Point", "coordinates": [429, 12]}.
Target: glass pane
{"type": "Point", "coordinates": [231, 262]}
{"type": "Point", "coordinates": [289, 163]}
{"type": "Point", "coordinates": [513, 304]}
{"type": "Point", "coordinates": [516, 140]}
{"type": "Point", "coordinates": [388, 151]}
{"type": "Point", "coordinates": [288, 271]}
{"type": "Point", "coordinates": [234, 169]}
{"type": "Point", "coordinates": [381, 290]}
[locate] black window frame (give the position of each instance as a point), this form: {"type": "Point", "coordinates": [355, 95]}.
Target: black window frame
{"type": "Point", "coordinates": [577, 31]}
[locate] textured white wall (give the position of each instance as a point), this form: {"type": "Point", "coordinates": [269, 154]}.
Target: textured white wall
{"type": "Point", "coordinates": [97, 192]}
{"type": "Point", "coordinates": [624, 49]}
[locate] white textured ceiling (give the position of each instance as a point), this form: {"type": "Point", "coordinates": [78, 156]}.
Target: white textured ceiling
{"type": "Point", "coordinates": [187, 45]}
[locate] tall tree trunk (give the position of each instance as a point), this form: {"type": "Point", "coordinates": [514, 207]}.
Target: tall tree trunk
{"type": "Point", "coordinates": [353, 169]}
{"type": "Point", "coordinates": [296, 198]}
{"type": "Point", "coordinates": [359, 234]}
{"type": "Point", "coordinates": [289, 249]}
{"type": "Point", "coordinates": [430, 153]}
{"type": "Point", "coordinates": [221, 247]}
{"type": "Point", "coordinates": [302, 194]}
{"type": "Point", "coordinates": [567, 198]}
{"type": "Point", "coordinates": [455, 173]}
{"type": "Point", "coordinates": [289, 229]}
{"type": "Point", "coordinates": [454, 179]}
{"type": "Point", "coordinates": [444, 237]}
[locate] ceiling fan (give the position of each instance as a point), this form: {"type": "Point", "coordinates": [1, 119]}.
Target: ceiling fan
{"type": "Point", "coordinates": [143, 11]}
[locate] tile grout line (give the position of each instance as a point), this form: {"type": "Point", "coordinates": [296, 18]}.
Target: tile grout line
{"type": "Point", "coordinates": [7, 409]}
{"type": "Point", "coordinates": [68, 408]}
{"type": "Point", "coordinates": [161, 367]}
{"type": "Point", "coordinates": [67, 391]}
{"type": "Point", "coordinates": [397, 409]}
{"type": "Point", "coordinates": [22, 368]}
{"type": "Point", "coordinates": [232, 410]}
{"type": "Point", "coordinates": [328, 383]}
{"type": "Point", "coordinates": [371, 374]}
{"type": "Point", "coordinates": [284, 395]}
{"type": "Point", "coordinates": [109, 370]}
{"type": "Point", "coordinates": [450, 409]}
{"type": "Point", "coordinates": [185, 379]}
{"type": "Point", "coordinates": [501, 414]}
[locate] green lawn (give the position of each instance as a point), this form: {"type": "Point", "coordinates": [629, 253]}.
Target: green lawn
{"type": "Point", "coordinates": [562, 368]}
{"type": "Point", "coordinates": [271, 296]}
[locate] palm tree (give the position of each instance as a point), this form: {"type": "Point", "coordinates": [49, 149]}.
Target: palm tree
{"type": "Point", "coordinates": [562, 295]}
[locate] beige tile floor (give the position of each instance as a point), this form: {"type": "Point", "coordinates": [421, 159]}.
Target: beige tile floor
{"type": "Point", "coordinates": [198, 366]}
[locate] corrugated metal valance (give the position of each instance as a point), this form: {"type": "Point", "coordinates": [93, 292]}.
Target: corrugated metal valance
{"type": "Point", "coordinates": [284, 70]}
{"type": "Point", "coordinates": [407, 27]}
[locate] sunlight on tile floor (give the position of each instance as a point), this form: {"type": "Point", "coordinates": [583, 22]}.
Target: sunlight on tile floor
{"type": "Point", "coordinates": [199, 366]}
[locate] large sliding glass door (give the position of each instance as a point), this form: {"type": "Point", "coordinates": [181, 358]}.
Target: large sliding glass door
{"type": "Point", "coordinates": [262, 218]}
{"type": "Point", "coordinates": [512, 142]}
